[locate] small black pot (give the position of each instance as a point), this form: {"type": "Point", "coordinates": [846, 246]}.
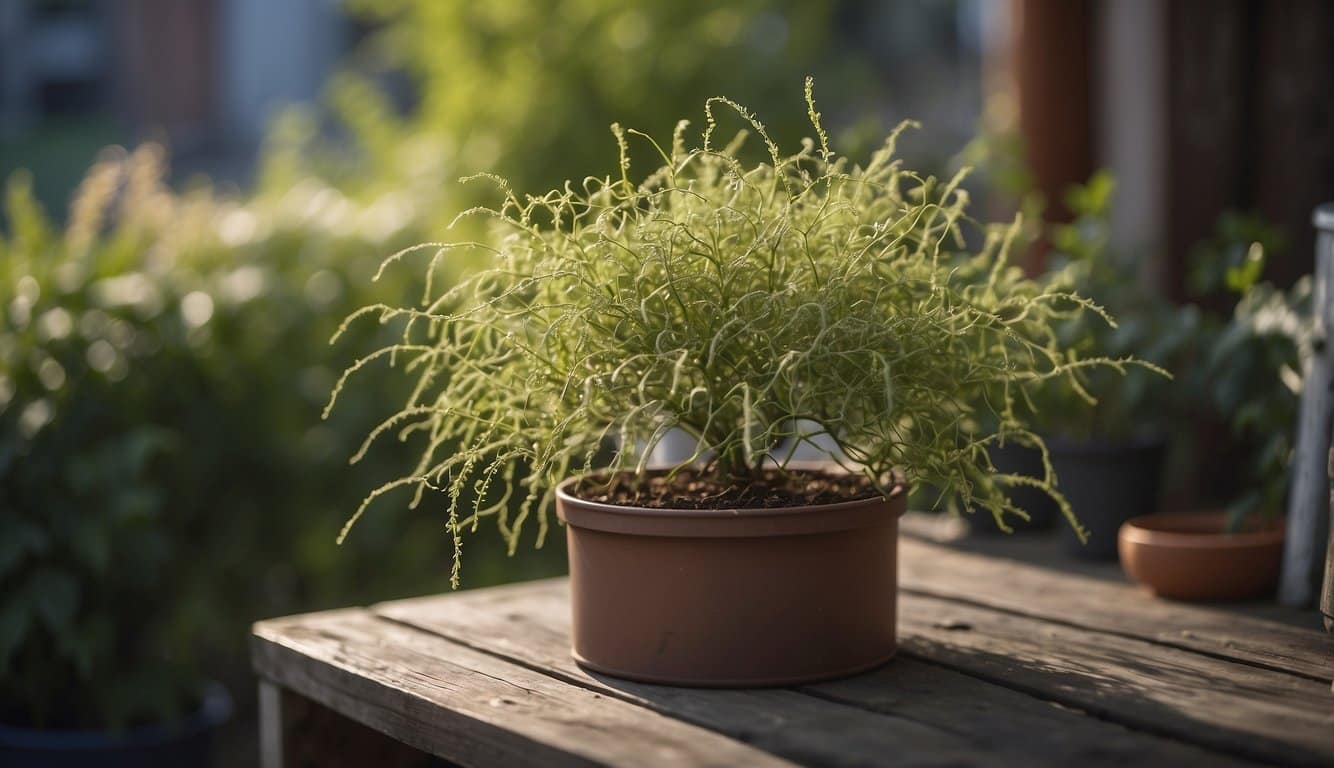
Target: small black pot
{"type": "Point", "coordinates": [1107, 483]}
{"type": "Point", "coordinates": [184, 742]}
{"type": "Point", "coordinates": [1015, 459]}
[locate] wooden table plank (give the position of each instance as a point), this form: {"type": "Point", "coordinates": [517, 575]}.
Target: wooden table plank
{"type": "Point", "coordinates": [529, 624]}
{"type": "Point", "coordinates": [1004, 663]}
{"type": "Point", "coordinates": [925, 714]}
{"type": "Point", "coordinates": [1121, 609]}
{"type": "Point", "coordinates": [1238, 708]}
{"type": "Point", "coordinates": [469, 707]}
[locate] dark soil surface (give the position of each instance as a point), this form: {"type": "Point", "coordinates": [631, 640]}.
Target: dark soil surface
{"type": "Point", "coordinates": [693, 489]}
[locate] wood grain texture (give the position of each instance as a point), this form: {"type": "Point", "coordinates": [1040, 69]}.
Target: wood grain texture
{"type": "Point", "coordinates": [1120, 609]}
{"type": "Point", "coordinates": [1003, 663]}
{"type": "Point", "coordinates": [920, 713]}
{"type": "Point", "coordinates": [529, 624]}
{"type": "Point", "coordinates": [469, 707]}
{"type": "Point", "coordinates": [1234, 708]}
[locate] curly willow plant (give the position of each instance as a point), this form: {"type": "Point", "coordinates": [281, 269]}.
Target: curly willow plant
{"type": "Point", "coordinates": [741, 304]}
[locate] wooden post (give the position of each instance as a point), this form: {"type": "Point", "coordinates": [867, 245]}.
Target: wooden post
{"type": "Point", "coordinates": [1052, 76]}
{"type": "Point", "coordinates": [1308, 501]}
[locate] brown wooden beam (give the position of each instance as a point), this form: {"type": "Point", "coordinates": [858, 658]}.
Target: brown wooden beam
{"type": "Point", "coordinates": [1053, 79]}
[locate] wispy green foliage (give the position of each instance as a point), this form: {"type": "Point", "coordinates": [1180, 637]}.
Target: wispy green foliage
{"type": "Point", "coordinates": [733, 301]}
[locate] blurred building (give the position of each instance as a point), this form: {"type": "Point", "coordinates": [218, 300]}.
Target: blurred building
{"type": "Point", "coordinates": [205, 73]}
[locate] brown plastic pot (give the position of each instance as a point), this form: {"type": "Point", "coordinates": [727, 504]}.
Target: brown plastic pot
{"type": "Point", "coordinates": [1192, 557]}
{"type": "Point", "coordinates": [733, 598]}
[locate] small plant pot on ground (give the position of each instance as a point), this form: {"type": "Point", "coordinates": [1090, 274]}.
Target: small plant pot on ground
{"type": "Point", "coordinates": [1107, 483]}
{"type": "Point", "coordinates": [733, 597]}
{"type": "Point", "coordinates": [1194, 557]}
{"type": "Point", "coordinates": [187, 741]}
{"type": "Point", "coordinates": [1015, 459]}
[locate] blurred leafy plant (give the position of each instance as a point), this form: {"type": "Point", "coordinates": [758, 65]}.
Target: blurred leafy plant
{"type": "Point", "coordinates": [732, 300]}
{"type": "Point", "coordinates": [1255, 365]}
{"type": "Point", "coordinates": [90, 534]}
{"type": "Point", "coordinates": [1149, 327]}
{"type": "Point", "coordinates": [164, 476]}
{"type": "Point", "coordinates": [522, 88]}
{"type": "Point", "coordinates": [1245, 368]}
{"type": "Point", "coordinates": [1232, 259]}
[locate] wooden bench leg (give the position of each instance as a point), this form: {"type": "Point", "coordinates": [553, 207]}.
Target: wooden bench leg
{"type": "Point", "coordinates": [295, 732]}
{"type": "Point", "coordinates": [270, 725]}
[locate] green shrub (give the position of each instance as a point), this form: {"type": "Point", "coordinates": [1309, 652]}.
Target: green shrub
{"type": "Point", "coordinates": [164, 475]}
{"type": "Point", "coordinates": [733, 301]}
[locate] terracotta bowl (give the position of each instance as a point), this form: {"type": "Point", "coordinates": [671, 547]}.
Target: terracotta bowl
{"type": "Point", "coordinates": [1192, 557]}
{"type": "Point", "coordinates": [733, 598]}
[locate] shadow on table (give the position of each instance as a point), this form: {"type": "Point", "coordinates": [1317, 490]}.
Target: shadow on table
{"type": "Point", "coordinates": [1123, 687]}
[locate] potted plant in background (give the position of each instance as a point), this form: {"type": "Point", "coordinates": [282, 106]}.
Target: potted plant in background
{"type": "Point", "coordinates": [1252, 376]}
{"type": "Point", "coordinates": [1110, 458]}
{"type": "Point", "coordinates": [734, 299]}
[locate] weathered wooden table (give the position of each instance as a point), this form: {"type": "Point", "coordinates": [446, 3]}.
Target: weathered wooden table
{"type": "Point", "coordinates": [1002, 662]}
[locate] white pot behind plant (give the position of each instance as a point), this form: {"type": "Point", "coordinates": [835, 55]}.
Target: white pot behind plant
{"type": "Point", "coordinates": [814, 445]}
{"type": "Point", "coordinates": [676, 447]}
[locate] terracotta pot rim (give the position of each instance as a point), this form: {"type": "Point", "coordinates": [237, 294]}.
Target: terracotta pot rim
{"type": "Point", "coordinates": [1140, 531]}
{"type": "Point", "coordinates": [729, 523]}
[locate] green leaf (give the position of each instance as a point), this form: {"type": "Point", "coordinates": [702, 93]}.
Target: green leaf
{"type": "Point", "coordinates": [1241, 277]}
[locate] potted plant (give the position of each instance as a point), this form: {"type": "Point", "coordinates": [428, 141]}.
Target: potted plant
{"type": "Point", "coordinates": [740, 300]}
{"type": "Point", "coordinates": [1110, 458]}
{"type": "Point", "coordinates": [1252, 375]}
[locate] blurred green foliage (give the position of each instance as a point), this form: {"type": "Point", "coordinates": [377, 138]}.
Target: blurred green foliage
{"type": "Point", "coordinates": [1254, 365]}
{"type": "Point", "coordinates": [1238, 352]}
{"type": "Point", "coordinates": [1232, 259]}
{"type": "Point", "coordinates": [1243, 368]}
{"type": "Point", "coordinates": [528, 88]}
{"type": "Point", "coordinates": [1138, 401]}
{"type": "Point", "coordinates": [164, 475]}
